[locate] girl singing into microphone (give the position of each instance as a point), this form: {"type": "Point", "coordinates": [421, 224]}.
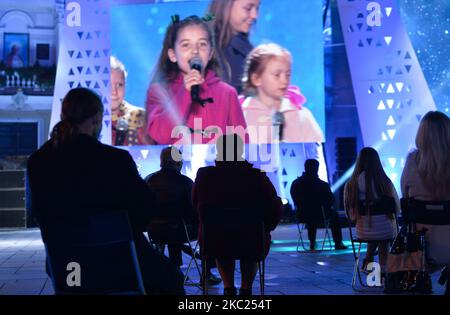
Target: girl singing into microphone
{"type": "Point", "coordinates": [171, 112]}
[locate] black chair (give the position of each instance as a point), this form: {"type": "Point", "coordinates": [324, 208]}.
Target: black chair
{"type": "Point", "coordinates": [302, 222]}
{"type": "Point", "coordinates": [233, 232]}
{"type": "Point", "coordinates": [167, 231]}
{"type": "Point", "coordinates": [437, 215]}
{"type": "Point", "coordinates": [103, 248]}
{"type": "Point", "coordinates": [382, 206]}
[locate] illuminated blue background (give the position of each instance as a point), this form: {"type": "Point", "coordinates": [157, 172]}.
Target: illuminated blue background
{"type": "Point", "coordinates": [137, 33]}
{"type": "Point", "coordinates": [428, 26]}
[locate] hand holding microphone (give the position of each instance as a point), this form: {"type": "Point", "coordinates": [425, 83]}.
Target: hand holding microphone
{"type": "Point", "coordinates": [194, 78]}
{"type": "Point", "coordinates": [121, 131]}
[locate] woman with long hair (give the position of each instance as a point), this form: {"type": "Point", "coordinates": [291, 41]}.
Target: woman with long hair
{"type": "Point", "coordinates": [233, 20]}
{"type": "Point", "coordinates": [426, 175]}
{"type": "Point", "coordinates": [427, 169]}
{"type": "Point", "coordinates": [369, 182]}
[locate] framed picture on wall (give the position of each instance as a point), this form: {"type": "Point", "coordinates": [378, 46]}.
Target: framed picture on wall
{"type": "Point", "coordinates": [15, 50]}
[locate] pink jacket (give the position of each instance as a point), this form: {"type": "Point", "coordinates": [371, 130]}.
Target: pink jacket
{"type": "Point", "coordinates": [171, 107]}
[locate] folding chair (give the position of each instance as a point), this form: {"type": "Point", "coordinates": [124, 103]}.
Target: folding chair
{"type": "Point", "coordinates": [163, 232]}
{"type": "Point", "coordinates": [233, 232]}
{"type": "Point", "coordinates": [376, 207]}
{"type": "Point", "coordinates": [103, 248]}
{"type": "Point", "coordinates": [303, 222]}
{"type": "Point", "coordinates": [435, 215]}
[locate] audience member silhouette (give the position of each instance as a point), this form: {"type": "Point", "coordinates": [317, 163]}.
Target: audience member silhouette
{"type": "Point", "coordinates": [426, 174]}
{"type": "Point", "coordinates": [231, 182]}
{"type": "Point", "coordinates": [173, 193]}
{"type": "Point", "coordinates": [369, 182]}
{"type": "Point", "coordinates": [314, 199]}
{"type": "Point", "coordinates": [73, 176]}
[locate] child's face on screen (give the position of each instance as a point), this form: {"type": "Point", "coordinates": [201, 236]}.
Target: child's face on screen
{"type": "Point", "coordinates": [192, 41]}
{"type": "Point", "coordinates": [243, 15]}
{"type": "Point", "coordinates": [274, 79]}
{"type": "Point", "coordinates": [117, 89]}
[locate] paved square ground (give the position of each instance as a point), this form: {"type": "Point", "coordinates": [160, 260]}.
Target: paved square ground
{"type": "Point", "coordinates": [22, 271]}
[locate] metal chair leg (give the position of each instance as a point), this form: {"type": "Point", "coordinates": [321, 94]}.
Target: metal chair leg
{"type": "Point", "coordinates": [193, 250]}
{"type": "Point", "coordinates": [300, 238]}
{"type": "Point", "coordinates": [203, 278]}
{"type": "Point", "coordinates": [356, 269]}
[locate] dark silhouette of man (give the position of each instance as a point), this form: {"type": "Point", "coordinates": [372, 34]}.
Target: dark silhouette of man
{"type": "Point", "coordinates": [173, 192]}
{"type": "Point", "coordinates": [311, 196]}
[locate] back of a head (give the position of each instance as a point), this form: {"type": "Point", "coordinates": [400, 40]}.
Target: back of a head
{"type": "Point", "coordinates": [369, 162]}
{"type": "Point", "coordinates": [171, 158]}
{"type": "Point", "coordinates": [230, 148]}
{"type": "Point", "coordinates": [433, 145]}
{"type": "Point", "coordinates": [78, 105]}
{"type": "Point", "coordinates": [311, 167]}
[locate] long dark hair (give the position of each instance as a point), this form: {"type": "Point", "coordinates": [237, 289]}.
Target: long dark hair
{"type": "Point", "coordinates": [369, 162]}
{"type": "Point", "coordinates": [78, 105]}
{"type": "Point", "coordinates": [221, 9]}
{"type": "Point", "coordinates": [166, 70]}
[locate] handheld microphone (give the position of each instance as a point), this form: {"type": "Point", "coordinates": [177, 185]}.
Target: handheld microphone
{"type": "Point", "coordinates": [278, 124]}
{"type": "Point", "coordinates": [196, 64]}
{"type": "Point", "coordinates": [121, 131]}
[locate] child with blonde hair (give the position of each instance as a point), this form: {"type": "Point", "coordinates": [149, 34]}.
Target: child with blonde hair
{"type": "Point", "coordinates": [269, 114]}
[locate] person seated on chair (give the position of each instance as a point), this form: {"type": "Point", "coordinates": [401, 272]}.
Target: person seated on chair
{"type": "Point", "coordinates": [370, 182]}
{"type": "Point", "coordinates": [173, 193]}
{"type": "Point", "coordinates": [230, 182]}
{"type": "Point", "coordinates": [426, 175]}
{"type": "Point", "coordinates": [314, 199]}
{"type": "Point", "coordinates": [74, 176]}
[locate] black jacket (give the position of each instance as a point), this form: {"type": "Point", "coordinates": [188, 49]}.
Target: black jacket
{"type": "Point", "coordinates": [173, 193]}
{"type": "Point", "coordinates": [310, 194]}
{"type": "Point", "coordinates": [86, 177]}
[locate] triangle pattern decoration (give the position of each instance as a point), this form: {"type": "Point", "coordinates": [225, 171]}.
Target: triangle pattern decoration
{"type": "Point", "coordinates": [388, 11]}
{"type": "Point", "coordinates": [388, 40]}
{"type": "Point", "coordinates": [391, 133]}
{"type": "Point", "coordinates": [144, 154]}
{"type": "Point", "coordinates": [392, 162]}
{"type": "Point", "coordinates": [381, 106]}
{"type": "Point", "coordinates": [390, 121]}
{"type": "Point", "coordinates": [390, 103]}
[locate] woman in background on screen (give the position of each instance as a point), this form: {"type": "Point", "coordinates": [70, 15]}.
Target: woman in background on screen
{"type": "Point", "coordinates": [233, 20]}
{"type": "Point", "coordinates": [270, 115]}
{"type": "Point", "coordinates": [187, 60]}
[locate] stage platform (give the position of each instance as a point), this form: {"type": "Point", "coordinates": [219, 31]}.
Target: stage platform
{"type": "Point", "coordinates": [288, 272]}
